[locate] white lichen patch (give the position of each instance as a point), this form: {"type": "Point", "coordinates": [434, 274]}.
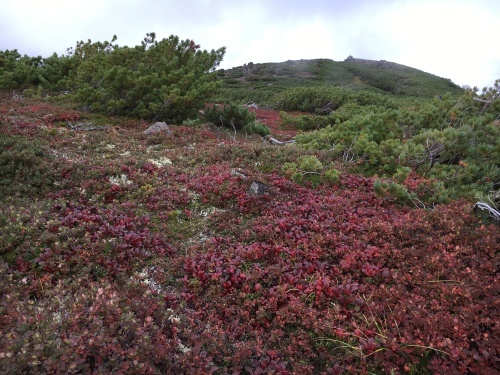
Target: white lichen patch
{"type": "Point", "coordinates": [210, 210]}
{"type": "Point", "coordinates": [110, 146]}
{"type": "Point", "coordinates": [149, 281]}
{"type": "Point", "coordinates": [146, 276]}
{"type": "Point", "coordinates": [57, 317]}
{"type": "Point", "coordinates": [160, 162]}
{"type": "Point", "coordinates": [155, 148]}
{"type": "Point", "coordinates": [120, 181]}
{"type": "Point", "coordinates": [183, 348]}
{"type": "Point", "coordinates": [172, 317]}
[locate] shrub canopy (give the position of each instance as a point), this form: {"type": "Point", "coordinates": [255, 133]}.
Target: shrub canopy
{"type": "Point", "coordinates": [166, 80]}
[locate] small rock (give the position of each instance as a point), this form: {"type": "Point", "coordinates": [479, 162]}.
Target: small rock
{"type": "Point", "coordinates": [257, 188]}
{"type": "Point", "coordinates": [158, 127]}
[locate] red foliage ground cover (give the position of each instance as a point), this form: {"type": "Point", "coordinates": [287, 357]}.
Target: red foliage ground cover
{"type": "Point", "coordinates": [184, 270]}
{"type": "Point", "coordinates": [271, 119]}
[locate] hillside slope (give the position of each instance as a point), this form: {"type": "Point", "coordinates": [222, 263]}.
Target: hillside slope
{"type": "Point", "coordinates": [125, 252]}
{"type": "Point", "coordinates": [357, 74]}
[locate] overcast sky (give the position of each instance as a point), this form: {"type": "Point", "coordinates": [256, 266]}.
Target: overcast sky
{"type": "Point", "coordinates": [456, 39]}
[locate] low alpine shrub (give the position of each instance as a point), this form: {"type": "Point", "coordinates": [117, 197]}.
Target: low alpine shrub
{"type": "Point", "coordinates": [231, 116]}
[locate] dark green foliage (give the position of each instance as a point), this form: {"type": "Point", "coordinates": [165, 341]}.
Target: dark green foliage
{"type": "Point", "coordinates": [455, 142]}
{"type": "Point", "coordinates": [392, 189]}
{"type": "Point", "coordinates": [398, 79]}
{"type": "Point", "coordinates": [257, 128]}
{"type": "Point", "coordinates": [23, 72]}
{"type": "Point", "coordinates": [323, 100]}
{"type": "Point", "coordinates": [230, 116]}
{"type": "Point", "coordinates": [167, 80]}
{"type": "Point", "coordinates": [18, 71]}
{"type": "Point", "coordinates": [57, 72]}
{"type": "Point", "coordinates": [308, 169]}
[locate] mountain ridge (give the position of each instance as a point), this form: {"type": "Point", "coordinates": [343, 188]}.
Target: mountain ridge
{"type": "Point", "coordinates": [352, 73]}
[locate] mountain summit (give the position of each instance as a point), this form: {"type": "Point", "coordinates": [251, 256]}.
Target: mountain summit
{"type": "Point", "coordinates": [352, 73]}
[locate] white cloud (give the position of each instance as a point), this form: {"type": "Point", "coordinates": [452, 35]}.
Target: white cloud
{"type": "Point", "coordinates": [441, 37]}
{"type": "Point", "coordinates": [452, 39]}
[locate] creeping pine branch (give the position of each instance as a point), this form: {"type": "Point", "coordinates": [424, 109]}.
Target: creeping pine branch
{"type": "Point", "coordinates": [493, 213]}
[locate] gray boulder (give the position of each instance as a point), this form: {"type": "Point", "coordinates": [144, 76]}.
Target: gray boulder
{"type": "Point", "coordinates": [257, 188]}
{"type": "Point", "coordinates": [158, 127]}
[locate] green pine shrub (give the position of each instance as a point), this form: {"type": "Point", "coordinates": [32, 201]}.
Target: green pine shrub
{"type": "Point", "coordinates": [167, 80]}
{"type": "Point", "coordinates": [394, 190]}
{"type": "Point", "coordinates": [308, 169]}
{"type": "Point", "coordinates": [324, 100]}
{"type": "Point", "coordinates": [53, 73]}
{"type": "Point", "coordinates": [453, 141]}
{"type": "Point", "coordinates": [257, 128]}
{"type": "Point", "coordinates": [229, 115]}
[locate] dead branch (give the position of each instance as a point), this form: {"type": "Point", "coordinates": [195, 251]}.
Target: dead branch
{"type": "Point", "coordinates": [493, 213]}
{"type": "Point", "coordinates": [250, 105]}
{"type": "Point", "coordinates": [325, 110]}
{"type": "Point", "coordinates": [85, 127]}
{"type": "Point", "coordinates": [275, 142]}
{"type": "Point", "coordinates": [481, 100]}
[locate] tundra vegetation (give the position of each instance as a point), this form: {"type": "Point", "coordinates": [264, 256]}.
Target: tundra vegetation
{"type": "Point", "coordinates": [149, 254]}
